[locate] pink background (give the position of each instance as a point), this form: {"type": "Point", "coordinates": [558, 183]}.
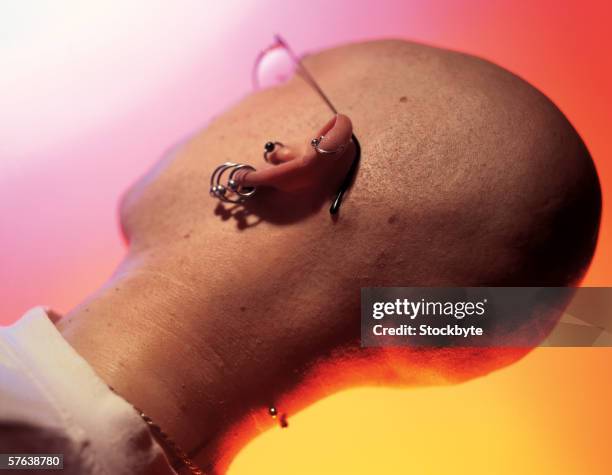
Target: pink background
{"type": "Point", "coordinates": [92, 92]}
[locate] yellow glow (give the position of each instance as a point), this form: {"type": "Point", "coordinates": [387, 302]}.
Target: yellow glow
{"type": "Point", "coordinates": [548, 414]}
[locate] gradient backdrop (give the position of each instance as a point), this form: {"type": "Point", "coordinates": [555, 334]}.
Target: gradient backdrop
{"type": "Point", "coordinates": [92, 92]}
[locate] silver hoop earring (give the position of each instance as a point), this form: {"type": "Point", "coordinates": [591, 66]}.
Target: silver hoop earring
{"type": "Point", "coordinates": [317, 140]}
{"type": "Point", "coordinates": [269, 147]}
{"type": "Point", "coordinates": [224, 192]}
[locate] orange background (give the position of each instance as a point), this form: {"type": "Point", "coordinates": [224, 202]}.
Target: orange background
{"type": "Point", "coordinates": [93, 92]}
{"type": "Point", "coordinates": [548, 414]}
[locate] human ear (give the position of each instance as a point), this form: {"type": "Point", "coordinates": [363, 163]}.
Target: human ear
{"type": "Point", "coordinates": [316, 166]}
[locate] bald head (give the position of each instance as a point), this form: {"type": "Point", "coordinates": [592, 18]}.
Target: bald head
{"type": "Point", "coordinates": [468, 176]}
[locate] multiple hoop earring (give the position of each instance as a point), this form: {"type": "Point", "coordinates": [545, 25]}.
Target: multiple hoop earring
{"type": "Point", "coordinates": [231, 192]}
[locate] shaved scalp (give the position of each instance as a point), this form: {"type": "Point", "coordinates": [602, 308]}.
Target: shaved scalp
{"type": "Point", "coordinates": [469, 175]}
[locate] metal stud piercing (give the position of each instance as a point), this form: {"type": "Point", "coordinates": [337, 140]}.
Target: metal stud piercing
{"type": "Point", "coordinates": [317, 140]}
{"type": "Point", "coordinates": [225, 192]}
{"type": "Point", "coordinates": [273, 411]}
{"type": "Point", "coordinates": [269, 147]}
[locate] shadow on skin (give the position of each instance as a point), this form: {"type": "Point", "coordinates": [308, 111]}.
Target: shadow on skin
{"type": "Point", "coordinates": [284, 207]}
{"type": "Point", "coordinates": [273, 206]}
{"type": "Point", "coordinates": [300, 181]}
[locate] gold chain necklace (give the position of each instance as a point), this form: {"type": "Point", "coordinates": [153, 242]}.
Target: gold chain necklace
{"type": "Point", "coordinates": [166, 441]}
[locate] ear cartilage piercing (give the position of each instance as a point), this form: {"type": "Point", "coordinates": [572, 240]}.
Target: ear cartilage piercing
{"type": "Point", "coordinates": [317, 140]}
{"type": "Point", "coordinates": [269, 147]}
{"type": "Point", "coordinates": [232, 192]}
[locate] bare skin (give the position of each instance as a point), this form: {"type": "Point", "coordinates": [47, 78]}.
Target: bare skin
{"type": "Point", "coordinates": [469, 176]}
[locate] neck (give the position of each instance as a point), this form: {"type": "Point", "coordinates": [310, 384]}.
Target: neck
{"type": "Point", "coordinates": [145, 335]}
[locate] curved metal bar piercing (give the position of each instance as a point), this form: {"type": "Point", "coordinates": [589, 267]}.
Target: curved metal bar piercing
{"type": "Point", "coordinates": [348, 179]}
{"type": "Point", "coordinates": [269, 147]}
{"type": "Point", "coordinates": [317, 140]}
